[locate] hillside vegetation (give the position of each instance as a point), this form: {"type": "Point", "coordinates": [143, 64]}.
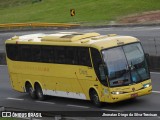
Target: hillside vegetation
{"type": "Point", "coordinates": [87, 11]}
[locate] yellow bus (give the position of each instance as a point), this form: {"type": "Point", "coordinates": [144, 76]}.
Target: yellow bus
{"type": "Point", "coordinates": [87, 66]}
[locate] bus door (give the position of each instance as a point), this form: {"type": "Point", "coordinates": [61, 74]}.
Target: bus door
{"type": "Point", "coordinates": [85, 76]}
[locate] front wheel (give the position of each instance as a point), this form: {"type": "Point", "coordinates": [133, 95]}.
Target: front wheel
{"type": "Point", "coordinates": [95, 98]}
{"type": "Point", "coordinates": [39, 93]}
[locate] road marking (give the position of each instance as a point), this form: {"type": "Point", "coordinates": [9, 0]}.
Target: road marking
{"type": "Point", "coordinates": [110, 110]}
{"type": "Point", "coordinates": [45, 102]}
{"type": "Point", "coordinates": [24, 118]}
{"type": "Point", "coordinates": [77, 106]}
{"type": "Point", "coordinates": [28, 118]}
{"type": "Point", "coordinates": [155, 73]}
{"type": "Point", "coordinates": [14, 99]}
{"type": "Point", "coordinates": [2, 65]}
{"type": "Point", "coordinates": [156, 91]}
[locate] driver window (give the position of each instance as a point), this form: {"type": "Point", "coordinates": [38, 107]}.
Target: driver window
{"type": "Point", "coordinates": [98, 66]}
{"type": "Point", "coordinates": [102, 72]}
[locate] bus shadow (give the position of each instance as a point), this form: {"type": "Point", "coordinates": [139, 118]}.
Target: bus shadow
{"type": "Point", "coordinates": [69, 101]}
{"type": "Point", "coordinates": [125, 104]}
{"type": "Point", "coordinates": [118, 105]}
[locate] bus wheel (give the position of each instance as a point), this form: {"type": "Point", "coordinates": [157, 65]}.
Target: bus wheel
{"type": "Point", "coordinates": [95, 99]}
{"type": "Point", "coordinates": [39, 92]}
{"type": "Point", "coordinates": [30, 91]}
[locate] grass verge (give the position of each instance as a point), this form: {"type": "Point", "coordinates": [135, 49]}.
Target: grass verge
{"type": "Point", "coordinates": [93, 12]}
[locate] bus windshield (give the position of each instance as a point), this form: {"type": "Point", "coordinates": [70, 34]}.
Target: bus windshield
{"type": "Point", "coordinates": [126, 65]}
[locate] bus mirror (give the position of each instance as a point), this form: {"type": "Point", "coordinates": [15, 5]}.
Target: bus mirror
{"type": "Point", "coordinates": [147, 58]}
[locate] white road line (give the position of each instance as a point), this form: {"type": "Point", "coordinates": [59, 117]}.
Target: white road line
{"type": "Point", "coordinates": [24, 118]}
{"type": "Point", "coordinates": [14, 99]}
{"type": "Point", "coordinates": [155, 73]}
{"type": "Point", "coordinates": [156, 91]}
{"type": "Point", "coordinates": [77, 106]}
{"type": "Point", "coordinates": [27, 118]}
{"type": "Point", "coordinates": [110, 110]}
{"type": "Point", "coordinates": [45, 102]}
{"type": "Point", "coordinates": [3, 65]}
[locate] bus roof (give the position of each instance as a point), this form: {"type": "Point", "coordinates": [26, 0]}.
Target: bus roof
{"type": "Point", "coordinates": [74, 39]}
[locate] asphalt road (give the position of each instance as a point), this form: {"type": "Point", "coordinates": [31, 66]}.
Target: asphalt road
{"type": "Point", "coordinates": [149, 36]}
{"type": "Point", "coordinates": [13, 99]}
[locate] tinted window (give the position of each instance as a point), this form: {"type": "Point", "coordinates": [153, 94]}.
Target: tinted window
{"type": "Point", "coordinates": [12, 51]}
{"type": "Point", "coordinates": [25, 53]}
{"type": "Point", "coordinates": [71, 55]}
{"type": "Point", "coordinates": [84, 56]}
{"type": "Point", "coordinates": [60, 55]}
{"type": "Point", "coordinates": [36, 53]}
{"type": "Point", "coordinates": [48, 54]}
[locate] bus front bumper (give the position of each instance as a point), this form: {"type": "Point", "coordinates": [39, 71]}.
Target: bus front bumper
{"type": "Point", "coordinates": [120, 97]}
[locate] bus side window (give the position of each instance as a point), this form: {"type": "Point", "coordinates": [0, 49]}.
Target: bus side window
{"type": "Point", "coordinates": [98, 66]}
{"type": "Point", "coordinates": [84, 57]}
{"type": "Point", "coordinates": [25, 53]}
{"type": "Point", "coordinates": [71, 55]}
{"type": "Point", "coordinates": [60, 54]}
{"type": "Point", "coordinates": [47, 54]}
{"type": "Point", "coordinates": [36, 53]}
{"type": "Point", "coordinates": [12, 51]}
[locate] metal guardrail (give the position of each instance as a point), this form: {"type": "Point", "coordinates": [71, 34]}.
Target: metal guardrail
{"type": "Point", "coordinates": [13, 25]}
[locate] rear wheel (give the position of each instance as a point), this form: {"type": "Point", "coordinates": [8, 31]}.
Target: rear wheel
{"type": "Point", "coordinates": [39, 93]}
{"type": "Point", "coordinates": [30, 91]}
{"type": "Point", "coordinates": [95, 98]}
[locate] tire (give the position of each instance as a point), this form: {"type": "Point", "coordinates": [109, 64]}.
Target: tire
{"type": "Point", "coordinates": [39, 93]}
{"type": "Point", "coordinates": [95, 98]}
{"type": "Point", "coordinates": [31, 91]}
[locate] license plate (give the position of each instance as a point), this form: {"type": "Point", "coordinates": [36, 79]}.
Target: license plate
{"type": "Point", "coordinates": [134, 95]}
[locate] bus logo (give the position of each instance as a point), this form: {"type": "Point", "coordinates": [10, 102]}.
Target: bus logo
{"type": "Point", "coordinates": [133, 89]}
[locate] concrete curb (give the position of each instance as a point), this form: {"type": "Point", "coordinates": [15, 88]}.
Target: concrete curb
{"type": "Point", "coordinates": [33, 29]}
{"type": "Point", "coordinates": [31, 26]}
{"type": "Point", "coordinates": [76, 27]}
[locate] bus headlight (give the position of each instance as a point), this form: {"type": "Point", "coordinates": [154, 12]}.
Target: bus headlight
{"type": "Point", "coordinates": [116, 93]}
{"type": "Point", "coordinates": [147, 85]}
